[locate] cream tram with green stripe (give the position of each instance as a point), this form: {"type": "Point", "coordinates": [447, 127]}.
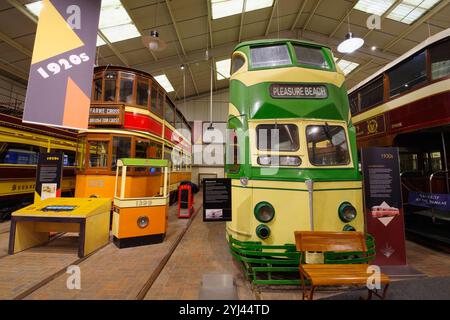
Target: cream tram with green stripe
{"type": "Point", "coordinates": [291, 153]}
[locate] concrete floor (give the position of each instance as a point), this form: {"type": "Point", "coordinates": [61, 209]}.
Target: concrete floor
{"type": "Point", "coordinates": [121, 274]}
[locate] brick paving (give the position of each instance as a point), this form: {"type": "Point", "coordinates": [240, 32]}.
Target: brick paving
{"type": "Point", "coordinates": [114, 273]}
{"type": "Point", "coordinates": [204, 249]}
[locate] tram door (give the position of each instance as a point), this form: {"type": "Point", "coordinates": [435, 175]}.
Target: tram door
{"type": "Point", "coordinates": [424, 174]}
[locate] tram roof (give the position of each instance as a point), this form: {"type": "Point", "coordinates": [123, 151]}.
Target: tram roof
{"type": "Point", "coordinates": [276, 41]}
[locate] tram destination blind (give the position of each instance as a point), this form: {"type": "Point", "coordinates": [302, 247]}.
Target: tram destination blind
{"type": "Point", "coordinates": [216, 200]}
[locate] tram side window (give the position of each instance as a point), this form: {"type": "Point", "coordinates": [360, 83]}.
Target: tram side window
{"type": "Point", "coordinates": [233, 152]}
{"type": "Point", "coordinates": [327, 145]}
{"type": "Point", "coordinates": [409, 162]}
{"type": "Point", "coordinates": [121, 148]}
{"type": "Point", "coordinates": [354, 102]}
{"type": "Point", "coordinates": [432, 161]}
{"type": "Point", "coordinates": [98, 154]}
{"type": "Point", "coordinates": [154, 107]}
{"type": "Point", "coordinates": [270, 56]}
{"type": "Point", "coordinates": [142, 93]}
{"type": "Point", "coordinates": [236, 63]}
{"type": "Point", "coordinates": [169, 112]}
{"type": "Point", "coordinates": [126, 88]}
{"type": "Point", "coordinates": [310, 56]}
{"type": "Point", "coordinates": [69, 158]}
{"type": "Point", "coordinates": [17, 153]}
{"type": "Point", "coordinates": [440, 60]}
{"type": "Point", "coordinates": [98, 89]}
{"type": "Point", "coordinates": [277, 137]}
{"type": "Point", "coordinates": [408, 74]}
{"type": "Point", "coordinates": [178, 121]}
{"type": "Point", "coordinates": [110, 86]}
{"type": "Point", "coordinates": [372, 93]}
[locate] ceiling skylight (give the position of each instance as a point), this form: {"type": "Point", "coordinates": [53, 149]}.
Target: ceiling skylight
{"type": "Point", "coordinates": [409, 11]}
{"type": "Point", "coordinates": [115, 23]}
{"type": "Point", "coordinates": [378, 7]}
{"type": "Point", "coordinates": [164, 82]}
{"type": "Point", "coordinates": [225, 8]}
{"type": "Point", "coordinates": [223, 69]}
{"type": "Point", "coordinates": [347, 66]}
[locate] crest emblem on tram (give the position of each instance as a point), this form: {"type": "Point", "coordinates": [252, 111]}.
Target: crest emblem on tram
{"type": "Point", "coordinates": [372, 126]}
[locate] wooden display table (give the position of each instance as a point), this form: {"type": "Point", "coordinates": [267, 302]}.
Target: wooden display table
{"type": "Point", "coordinates": [90, 217]}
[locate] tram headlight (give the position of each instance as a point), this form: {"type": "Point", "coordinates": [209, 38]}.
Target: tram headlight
{"type": "Point", "coordinates": [264, 212]}
{"type": "Point", "coordinates": [348, 227]}
{"type": "Point", "coordinates": [263, 231]}
{"type": "Point", "coordinates": [142, 222]}
{"type": "Point", "coordinates": [347, 212]}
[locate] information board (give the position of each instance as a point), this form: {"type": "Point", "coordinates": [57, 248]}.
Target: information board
{"type": "Point", "coordinates": [49, 176]}
{"type": "Point", "coordinates": [216, 200]}
{"type": "Point", "coordinates": [383, 204]}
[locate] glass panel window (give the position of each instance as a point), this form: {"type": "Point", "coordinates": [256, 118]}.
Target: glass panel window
{"type": "Point", "coordinates": [277, 137]}
{"type": "Point", "coordinates": [154, 107]}
{"type": "Point", "coordinates": [408, 74]}
{"type": "Point", "coordinates": [178, 121]}
{"type": "Point", "coordinates": [409, 162]}
{"type": "Point", "coordinates": [98, 89]}
{"type": "Point", "coordinates": [17, 153]}
{"type": "Point", "coordinates": [161, 102]}
{"type": "Point", "coordinates": [440, 60]}
{"type": "Point", "coordinates": [310, 56]}
{"type": "Point", "coordinates": [110, 86]}
{"type": "Point", "coordinates": [236, 63]}
{"type": "Point", "coordinates": [436, 163]}
{"type": "Point", "coordinates": [327, 145]}
{"type": "Point", "coordinates": [372, 93]}
{"type": "Point", "coordinates": [141, 148]}
{"type": "Point", "coordinates": [233, 152]}
{"type": "Point", "coordinates": [121, 149]}
{"type": "Point", "coordinates": [98, 154]}
{"type": "Point", "coordinates": [270, 56]}
{"type": "Point", "coordinates": [169, 112]}
{"type": "Point", "coordinates": [126, 88]}
{"type": "Point", "coordinates": [142, 93]}
{"type": "Point", "coordinates": [354, 102]}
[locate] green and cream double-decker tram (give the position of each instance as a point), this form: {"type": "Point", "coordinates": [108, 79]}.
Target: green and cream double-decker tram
{"type": "Point", "coordinates": [291, 153]}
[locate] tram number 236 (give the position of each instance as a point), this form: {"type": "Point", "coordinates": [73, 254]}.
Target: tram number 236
{"type": "Point", "coordinates": [62, 64]}
{"type": "Point", "coordinates": [387, 156]}
{"type": "Point", "coordinates": [143, 203]}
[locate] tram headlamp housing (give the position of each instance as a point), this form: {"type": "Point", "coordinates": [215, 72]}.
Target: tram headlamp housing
{"type": "Point", "coordinates": [263, 231]}
{"type": "Point", "coordinates": [142, 222]}
{"type": "Point", "coordinates": [264, 212]}
{"type": "Point", "coordinates": [348, 227]}
{"type": "Point", "coordinates": [285, 161]}
{"type": "Point", "coordinates": [347, 212]}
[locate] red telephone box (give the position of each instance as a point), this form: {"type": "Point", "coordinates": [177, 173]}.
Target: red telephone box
{"type": "Point", "coordinates": [185, 201]}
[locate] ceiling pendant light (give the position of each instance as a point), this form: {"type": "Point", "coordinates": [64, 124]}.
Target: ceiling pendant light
{"type": "Point", "coordinates": [350, 44]}
{"type": "Point", "coordinates": [153, 42]}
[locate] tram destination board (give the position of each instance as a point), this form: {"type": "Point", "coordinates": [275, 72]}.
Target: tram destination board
{"type": "Point", "coordinates": [216, 200]}
{"type": "Point", "coordinates": [298, 91]}
{"type": "Point", "coordinates": [383, 204]}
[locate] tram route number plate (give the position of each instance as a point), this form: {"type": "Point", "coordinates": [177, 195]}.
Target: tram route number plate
{"type": "Point", "coordinates": [300, 91]}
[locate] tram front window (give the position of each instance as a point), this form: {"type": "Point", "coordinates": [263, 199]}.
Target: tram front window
{"type": "Point", "coordinates": [327, 145]}
{"type": "Point", "coordinates": [98, 154]}
{"type": "Point", "coordinates": [270, 56]}
{"type": "Point", "coordinates": [277, 137]}
{"type": "Point", "coordinates": [121, 149]}
{"type": "Point", "coordinates": [311, 56]}
{"type": "Point", "coordinates": [110, 86]}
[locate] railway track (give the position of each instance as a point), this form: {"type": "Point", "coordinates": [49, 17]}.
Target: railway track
{"type": "Point", "coordinates": [145, 288]}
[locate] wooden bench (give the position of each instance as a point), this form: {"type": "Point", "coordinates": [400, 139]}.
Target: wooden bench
{"type": "Point", "coordinates": [334, 274]}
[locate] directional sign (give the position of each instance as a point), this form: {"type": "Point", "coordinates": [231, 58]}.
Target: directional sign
{"type": "Point", "coordinates": [60, 81]}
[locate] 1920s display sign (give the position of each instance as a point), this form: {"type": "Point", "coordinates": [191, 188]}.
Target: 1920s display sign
{"type": "Point", "coordinates": [217, 200]}
{"type": "Point", "coordinates": [383, 204]}
{"type": "Point", "coordinates": [300, 91]}
{"type": "Point", "coordinates": [60, 81]}
{"type": "Point", "coordinates": [49, 175]}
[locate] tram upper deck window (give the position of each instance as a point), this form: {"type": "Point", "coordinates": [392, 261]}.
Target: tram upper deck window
{"type": "Point", "coordinates": [408, 74]}
{"type": "Point", "coordinates": [169, 112]}
{"type": "Point", "coordinates": [327, 145]}
{"type": "Point", "coordinates": [277, 137]}
{"type": "Point", "coordinates": [372, 93]}
{"type": "Point", "coordinates": [98, 154]}
{"type": "Point", "coordinates": [354, 102]}
{"type": "Point", "coordinates": [178, 121]}
{"type": "Point", "coordinates": [311, 56]}
{"type": "Point", "coordinates": [142, 92]}
{"type": "Point", "coordinates": [153, 101]}
{"type": "Point", "coordinates": [110, 86]}
{"type": "Point", "coordinates": [121, 148]}
{"type": "Point", "coordinates": [98, 89]}
{"type": "Point", "coordinates": [126, 87]}
{"type": "Point", "coordinates": [440, 60]}
{"type": "Point", "coordinates": [161, 102]}
{"type": "Point", "coordinates": [270, 56]}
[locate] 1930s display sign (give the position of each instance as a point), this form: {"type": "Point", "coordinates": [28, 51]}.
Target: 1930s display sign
{"type": "Point", "coordinates": [49, 175]}
{"type": "Point", "coordinates": [60, 81]}
{"type": "Point", "coordinates": [383, 204]}
{"type": "Point", "coordinates": [217, 200]}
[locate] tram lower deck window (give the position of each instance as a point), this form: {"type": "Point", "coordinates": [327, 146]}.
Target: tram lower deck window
{"type": "Point", "coordinates": [327, 145]}
{"type": "Point", "coordinates": [98, 154]}
{"type": "Point", "coordinates": [277, 137]}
